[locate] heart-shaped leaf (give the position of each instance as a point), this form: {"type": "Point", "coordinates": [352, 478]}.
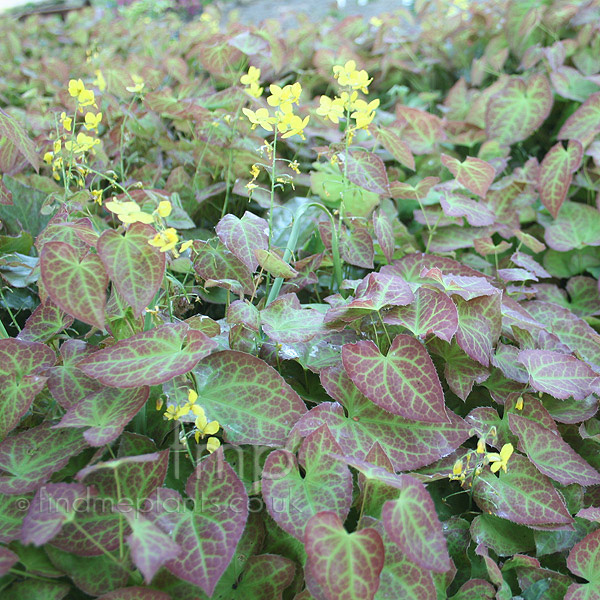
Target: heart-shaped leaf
{"type": "Point", "coordinates": [150, 357]}
{"type": "Point", "coordinates": [22, 369]}
{"type": "Point", "coordinates": [411, 522]}
{"type": "Point", "coordinates": [518, 109]}
{"type": "Point", "coordinates": [209, 532]}
{"type": "Point", "coordinates": [459, 205]}
{"type": "Point", "coordinates": [557, 374]}
{"type": "Point", "coordinates": [584, 123]}
{"type": "Point", "coordinates": [576, 226]}
{"type": "Point", "coordinates": [44, 323]}
{"type": "Point", "coordinates": [292, 498]}
{"type": "Point", "coordinates": [409, 444]}
{"type": "Point", "coordinates": [248, 398]}
{"type": "Point", "coordinates": [134, 266]}
{"type": "Point", "coordinates": [106, 413]}
{"type": "Point", "coordinates": [474, 174]}
{"type": "Point", "coordinates": [550, 454]}
{"type": "Point", "coordinates": [346, 565]}
{"type": "Point", "coordinates": [78, 286]}
{"type": "Point", "coordinates": [556, 174]}
{"type": "Point", "coordinates": [431, 312]}
{"type": "Point", "coordinates": [243, 236]}
{"type": "Point", "coordinates": [522, 495]}
{"type": "Point", "coordinates": [404, 382]}
{"type": "Point", "coordinates": [366, 170]}
{"type": "Point", "coordinates": [285, 321]}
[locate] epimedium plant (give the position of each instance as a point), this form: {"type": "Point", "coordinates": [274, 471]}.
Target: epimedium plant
{"type": "Point", "coordinates": [301, 314]}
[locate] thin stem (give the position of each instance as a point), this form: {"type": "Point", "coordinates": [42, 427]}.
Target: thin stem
{"type": "Point", "coordinates": [273, 164]}
{"type": "Point", "coordinates": [10, 313]}
{"type": "Point", "coordinates": [20, 573]}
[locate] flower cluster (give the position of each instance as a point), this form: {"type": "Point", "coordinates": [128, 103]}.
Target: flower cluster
{"type": "Point", "coordinates": [69, 150]}
{"type": "Point", "coordinates": [202, 426]}
{"type": "Point", "coordinates": [251, 80]}
{"type": "Point", "coordinates": [348, 104]}
{"type": "Point", "coordinates": [284, 120]}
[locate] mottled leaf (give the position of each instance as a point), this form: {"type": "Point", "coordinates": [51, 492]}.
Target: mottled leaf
{"type": "Point", "coordinates": [474, 174]}
{"type": "Point", "coordinates": [243, 236]}
{"type": "Point", "coordinates": [77, 285]}
{"type": "Point", "coordinates": [459, 205]}
{"type": "Point", "coordinates": [504, 537]}
{"type": "Point", "coordinates": [584, 561]}
{"type": "Point", "coordinates": [284, 320]}
{"type": "Point", "coordinates": [274, 265]}
{"type": "Point", "coordinates": [584, 123]}
{"type": "Point", "coordinates": [134, 266]}
{"type": "Point", "coordinates": [404, 382]}
{"type": "Point", "coordinates": [13, 131]}
{"type": "Point", "coordinates": [346, 565]}
{"type": "Point", "coordinates": [390, 138]}
{"type": "Point", "coordinates": [150, 357]}
{"type": "Point", "coordinates": [384, 233]}
{"type": "Point", "coordinates": [576, 226]}
{"type": "Point", "coordinates": [366, 170]}
{"type": "Point", "coordinates": [7, 560]}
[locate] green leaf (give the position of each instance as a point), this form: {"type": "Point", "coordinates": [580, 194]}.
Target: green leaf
{"type": "Point", "coordinates": [584, 123]}
{"type": "Point", "coordinates": [285, 321]}
{"type": "Point", "coordinates": [25, 212]}
{"type": "Point", "coordinates": [10, 129]}
{"type": "Point", "coordinates": [326, 483]}
{"type": "Point", "coordinates": [390, 138]}
{"type": "Point", "coordinates": [576, 226]}
{"type": "Point", "coordinates": [584, 561]}
{"type": "Point", "coordinates": [248, 398]}
{"type": "Point", "coordinates": [346, 565]}
{"type": "Point", "coordinates": [134, 266]}
{"type": "Point", "coordinates": [77, 285]}
{"type": "Point", "coordinates": [412, 523]}
{"type": "Point", "coordinates": [274, 265]}
{"type": "Point", "coordinates": [150, 357]}
{"type": "Point", "coordinates": [504, 537]}
{"type": "Point", "coordinates": [522, 495]}
{"type": "Point", "coordinates": [404, 382]}
{"type": "Point", "coordinates": [518, 109]}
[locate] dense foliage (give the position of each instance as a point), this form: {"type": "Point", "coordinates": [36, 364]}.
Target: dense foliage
{"type": "Point", "coordinates": [301, 313]}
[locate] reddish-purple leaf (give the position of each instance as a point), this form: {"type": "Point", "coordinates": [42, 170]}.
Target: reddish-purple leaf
{"type": "Point", "coordinates": [423, 131]}
{"type": "Point", "coordinates": [479, 326]}
{"type": "Point", "coordinates": [150, 547]}
{"type": "Point", "coordinates": [209, 532]}
{"type": "Point", "coordinates": [522, 495]}
{"type": "Point", "coordinates": [518, 109]}
{"type": "Point", "coordinates": [486, 247]}
{"type": "Point", "coordinates": [412, 523]}
{"type": "Point", "coordinates": [150, 357]}
{"type": "Point", "coordinates": [219, 265]}
{"type": "Point", "coordinates": [459, 205]}
{"type": "Point", "coordinates": [13, 132]}
{"type": "Point", "coordinates": [400, 189]}
{"type": "Point", "coordinates": [431, 312]}
{"type": "Point", "coordinates": [243, 236]}
{"type": "Point", "coordinates": [527, 262]}
{"type": "Point", "coordinates": [28, 459]}
{"type": "Point", "coordinates": [105, 413]}
{"type": "Point", "coordinates": [23, 366]}
{"type": "Point", "coordinates": [44, 323]}
{"type": "Point", "coordinates": [285, 321]}
{"type": "Point", "coordinates": [384, 233]}
{"type": "Point", "coordinates": [464, 286]}
{"type": "Point", "coordinates": [474, 174]}
{"type": "Point", "coordinates": [556, 174]}
{"type": "Point", "coordinates": [78, 233]}
{"type": "Point", "coordinates": [404, 382]}
{"type": "Point", "coordinates": [135, 593]}
{"type": "Point", "coordinates": [345, 565]}
{"type": "Point", "coordinates": [584, 123]}
{"type": "Point", "coordinates": [557, 374]}
{"type": "Point", "coordinates": [53, 505]}
{"type": "Point", "coordinates": [584, 561]}
{"type": "Point", "coordinates": [326, 483]}
{"type": "Point", "coordinates": [134, 266]}
{"type": "Point", "coordinates": [68, 384]}
{"type": "Point", "coordinates": [7, 560]}
{"type": "Point", "coordinates": [390, 138]}
{"type": "Point", "coordinates": [356, 247]}
{"type": "Point", "coordinates": [409, 444]}
{"type": "Point", "coordinates": [366, 170]}
{"type": "Point", "coordinates": [5, 195]}
{"type": "Point", "coordinates": [248, 398]}
{"type": "Point", "coordinates": [550, 454]}
{"type": "Point", "coordinates": [78, 286]}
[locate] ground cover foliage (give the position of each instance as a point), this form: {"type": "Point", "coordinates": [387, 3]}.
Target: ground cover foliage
{"type": "Point", "coordinates": [302, 313]}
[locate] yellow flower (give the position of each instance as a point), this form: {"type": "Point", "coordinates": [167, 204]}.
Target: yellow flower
{"type": "Point", "coordinates": [185, 245]}
{"type": "Point", "coordinates": [76, 86]}
{"type": "Point", "coordinates": [499, 461]}
{"type": "Point", "coordinates": [364, 113]}
{"type": "Point", "coordinates": [174, 412]}
{"type": "Point", "coordinates": [519, 403]}
{"type": "Point", "coordinates": [99, 82]}
{"type": "Point", "coordinates": [164, 208]}
{"type": "Point", "coordinates": [348, 76]}
{"type": "Point", "coordinates": [481, 446]}
{"type": "Point", "coordinates": [65, 121]}
{"type": "Point", "coordinates": [212, 444]}
{"type": "Point", "coordinates": [255, 90]}
{"type": "Point", "coordinates": [129, 212]}
{"type": "Point", "coordinates": [165, 240]}
{"type": "Point", "coordinates": [285, 96]}
{"type": "Point", "coordinates": [260, 117]}
{"type": "Point", "coordinates": [92, 121]}
{"type": "Point", "coordinates": [57, 146]}
{"type": "Point", "coordinates": [97, 195]}
{"type": "Point", "coordinates": [139, 85]}
{"type": "Point", "coordinates": [203, 427]}
{"type": "Point", "coordinates": [332, 109]}
{"type": "Point", "coordinates": [83, 143]}
{"type": "Point", "coordinates": [376, 21]}
{"type": "Point", "coordinates": [86, 98]}
{"type": "Point", "coordinates": [290, 124]}
{"type": "Point", "coordinates": [251, 77]}
{"type": "Point", "coordinates": [294, 166]}
{"type": "Point", "coordinates": [48, 156]}
{"type": "Point", "coordinates": [254, 171]}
